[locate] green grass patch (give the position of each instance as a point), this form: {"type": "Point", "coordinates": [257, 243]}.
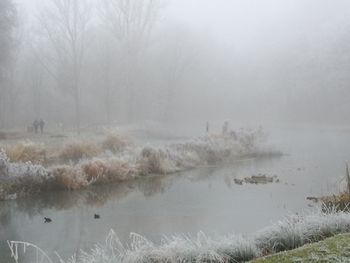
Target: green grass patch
{"type": "Point", "coordinates": [334, 249]}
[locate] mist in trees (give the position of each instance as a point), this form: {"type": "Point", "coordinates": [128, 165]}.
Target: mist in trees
{"type": "Point", "coordinates": [8, 21]}
{"type": "Point", "coordinates": [79, 63]}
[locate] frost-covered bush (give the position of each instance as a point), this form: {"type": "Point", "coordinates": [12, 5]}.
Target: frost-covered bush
{"type": "Point", "coordinates": [76, 151]}
{"type": "Point", "coordinates": [249, 139]}
{"type": "Point", "coordinates": [27, 151]}
{"type": "Point", "coordinates": [17, 170]}
{"type": "Point", "coordinates": [119, 162]}
{"type": "Point", "coordinates": [114, 143]}
{"type": "Point", "coordinates": [3, 164]}
{"type": "Point", "coordinates": [18, 178]}
{"type": "Point", "coordinates": [297, 230]}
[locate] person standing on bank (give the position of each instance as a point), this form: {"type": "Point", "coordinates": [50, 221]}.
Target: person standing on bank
{"type": "Point", "coordinates": [36, 125]}
{"type": "Point", "coordinates": [41, 124]}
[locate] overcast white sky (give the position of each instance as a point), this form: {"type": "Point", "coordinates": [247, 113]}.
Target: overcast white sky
{"type": "Point", "coordinates": [244, 22]}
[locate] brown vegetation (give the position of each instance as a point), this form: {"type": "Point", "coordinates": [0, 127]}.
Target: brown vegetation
{"type": "Point", "coordinates": [68, 178]}
{"type": "Point", "coordinates": [26, 152]}
{"type": "Point", "coordinates": [152, 161]}
{"type": "Point", "coordinates": [114, 143]}
{"type": "Point", "coordinates": [78, 150]}
{"type": "Point", "coordinates": [339, 202]}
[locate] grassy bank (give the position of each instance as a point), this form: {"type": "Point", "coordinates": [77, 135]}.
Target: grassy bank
{"type": "Point", "coordinates": [290, 233]}
{"type": "Point", "coordinates": [334, 249]}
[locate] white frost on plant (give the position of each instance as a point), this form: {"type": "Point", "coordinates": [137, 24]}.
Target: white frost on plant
{"type": "Point", "coordinates": [133, 161]}
{"type": "Point", "coordinates": [14, 170]}
{"type": "Point", "coordinates": [291, 232]}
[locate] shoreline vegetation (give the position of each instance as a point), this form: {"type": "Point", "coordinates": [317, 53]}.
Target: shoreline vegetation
{"type": "Point", "coordinates": [338, 202]}
{"type": "Point", "coordinates": [333, 249]}
{"type": "Point", "coordinates": [294, 231]}
{"type": "Point", "coordinates": [28, 168]}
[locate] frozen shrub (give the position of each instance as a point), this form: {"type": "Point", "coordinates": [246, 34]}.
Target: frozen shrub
{"type": "Point", "coordinates": [174, 249]}
{"type": "Point", "coordinates": [210, 149]}
{"type": "Point", "coordinates": [114, 143]}
{"type": "Point", "coordinates": [339, 202]}
{"type": "Point", "coordinates": [69, 178]}
{"type": "Point", "coordinates": [125, 163]}
{"type": "Point", "coordinates": [78, 150]}
{"type": "Point", "coordinates": [152, 161]}
{"type": "Point", "coordinates": [21, 178]}
{"type": "Point", "coordinates": [111, 170]}
{"type": "Point", "coordinates": [120, 171]}
{"type": "Point", "coordinates": [27, 152]}
{"type": "Point", "coordinates": [297, 230]}
{"type": "Point", "coordinates": [94, 169]}
{"type": "Point", "coordinates": [3, 164]}
{"type": "Point", "coordinates": [249, 139]}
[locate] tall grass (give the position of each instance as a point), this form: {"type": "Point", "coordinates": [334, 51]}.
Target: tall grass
{"type": "Point", "coordinates": [20, 178]}
{"type": "Point", "coordinates": [88, 164]}
{"type": "Point", "coordinates": [114, 143]}
{"type": "Point", "coordinates": [76, 151]}
{"type": "Point", "coordinates": [27, 151]}
{"type": "Point", "coordinates": [289, 233]}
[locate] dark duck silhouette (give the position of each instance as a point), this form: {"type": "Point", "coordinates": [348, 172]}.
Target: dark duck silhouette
{"type": "Point", "coordinates": [96, 216]}
{"type": "Point", "coordinates": [47, 220]}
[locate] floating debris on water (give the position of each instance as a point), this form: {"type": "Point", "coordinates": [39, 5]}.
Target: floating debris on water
{"type": "Point", "coordinates": [257, 179]}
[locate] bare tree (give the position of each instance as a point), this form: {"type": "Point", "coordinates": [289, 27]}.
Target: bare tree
{"type": "Point", "coordinates": [178, 55]}
{"type": "Point", "coordinates": [131, 23]}
{"type": "Point", "coordinates": [35, 78]}
{"type": "Point", "coordinates": [105, 62]}
{"type": "Point", "coordinates": [65, 25]}
{"type": "Point", "coordinates": [8, 20]}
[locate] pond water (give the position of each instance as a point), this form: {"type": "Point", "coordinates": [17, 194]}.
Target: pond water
{"type": "Point", "coordinates": [205, 199]}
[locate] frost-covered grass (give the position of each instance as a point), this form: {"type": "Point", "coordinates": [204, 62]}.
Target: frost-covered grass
{"type": "Point", "coordinates": [114, 160]}
{"type": "Point", "coordinates": [27, 151]}
{"type": "Point", "coordinates": [78, 150]}
{"type": "Point", "coordinates": [340, 202]}
{"type": "Point", "coordinates": [292, 232]}
{"type": "Point", "coordinates": [20, 178]}
{"type": "Point", "coordinates": [335, 249]}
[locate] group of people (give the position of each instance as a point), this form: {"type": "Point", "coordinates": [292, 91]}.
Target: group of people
{"type": "Point", "coordinates": [226, 132]}
{"type": "Point", "coordinates": [39, 124]}
{"type": "Point", "coordinates": [225, 128]}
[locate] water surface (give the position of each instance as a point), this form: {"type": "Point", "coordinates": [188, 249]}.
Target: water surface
{"type": "Point", "coordinates": [205, 199]}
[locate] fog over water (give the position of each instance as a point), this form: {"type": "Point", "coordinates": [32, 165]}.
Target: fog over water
{"type": "Point", "coordinates": [166, 117]}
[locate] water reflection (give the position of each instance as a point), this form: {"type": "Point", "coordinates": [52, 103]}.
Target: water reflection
{"type": "Point", "coordinates": [95, 196]}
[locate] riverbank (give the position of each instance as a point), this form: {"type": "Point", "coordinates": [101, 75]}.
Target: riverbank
{"type": "Point", "coordinates": [333, 249]}
{"type": "Point", "coordinates": [290, 233]}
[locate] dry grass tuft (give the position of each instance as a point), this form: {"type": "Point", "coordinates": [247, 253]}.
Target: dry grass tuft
{"type": "Point", "coordinates": [69, 178]}
{"type": "Point", "coordinates": [114, 143]}
{"type": "Point", "coordinates": [100, 171]}
{"type": "Point", "coordinates": [26, 152]}
{"type": "Point", "coordinates": [152, 161]}
{"type": "Point", "coordinates": [339, 202]}
{"type": "Point", "coordinates": [94, 169]}
{"type": "Point", "coordinates": [78, 150]}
